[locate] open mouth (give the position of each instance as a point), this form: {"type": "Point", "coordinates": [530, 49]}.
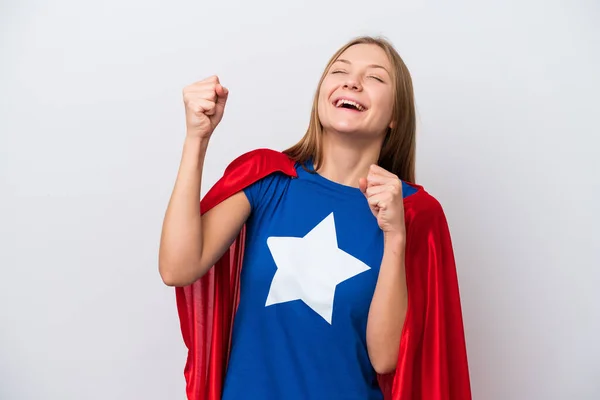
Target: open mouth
{"type": "Point", "coordinates": [349, 104]}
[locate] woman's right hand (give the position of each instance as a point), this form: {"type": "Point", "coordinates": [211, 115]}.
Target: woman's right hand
{"type": "Point", "coordinates": [204, 106]}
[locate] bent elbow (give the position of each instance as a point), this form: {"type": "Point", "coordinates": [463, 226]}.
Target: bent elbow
{"type": "Point", "coordinates": [383, 367]}
{"type": "Point", "coordinates": [170, 280]}
{"type": "Point", "coordinates": [167, 276]}
{"type": "Point", "coordinates": [383, 362]}
{"type": "Point", "coordinates": [171, 277]}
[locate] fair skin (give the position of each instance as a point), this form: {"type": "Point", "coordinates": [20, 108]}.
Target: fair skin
{"type": "Point", "coordinates": [353, 139]}
{"type": "Point", "coordinates": [351, 143]}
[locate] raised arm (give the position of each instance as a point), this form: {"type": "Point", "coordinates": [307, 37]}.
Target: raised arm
{"type": "Point", "coordinates": [190, 243]}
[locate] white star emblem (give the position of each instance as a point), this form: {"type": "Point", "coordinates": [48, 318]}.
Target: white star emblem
{"type": "Point", "coordinates": [310, 268]}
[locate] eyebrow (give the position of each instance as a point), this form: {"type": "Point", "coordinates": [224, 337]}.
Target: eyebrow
{"type": "Point", "coordinates": [370, 65]}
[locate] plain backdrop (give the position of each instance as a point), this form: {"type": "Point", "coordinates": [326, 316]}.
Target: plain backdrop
{"type": "Point", "coordinates": [91, 131]}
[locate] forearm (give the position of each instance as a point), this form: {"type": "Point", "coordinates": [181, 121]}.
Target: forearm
{"type": "Point", "coordinates": [181, 239]}
{"type": "Point", "coordinates": [388, 307]}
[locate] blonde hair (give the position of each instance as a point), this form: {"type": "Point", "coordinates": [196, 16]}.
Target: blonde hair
{"type": "Point", "coordinates": [398, 149]}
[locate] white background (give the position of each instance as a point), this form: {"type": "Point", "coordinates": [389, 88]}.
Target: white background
{"type": "Point", "coordinates": [91, 129]}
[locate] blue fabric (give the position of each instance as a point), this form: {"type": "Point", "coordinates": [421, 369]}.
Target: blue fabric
{"type": "Point", "coordinates": [286, 345]}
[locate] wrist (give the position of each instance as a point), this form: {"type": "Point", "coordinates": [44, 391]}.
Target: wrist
{"type": "Point", "coordinates": [395, 240]}
{"type": "Point", "coordinates": [196, 142]}
{"type": "Point", "coordinates": [195, 147]}
{"type": "Point", "coordinates": [194, 151]}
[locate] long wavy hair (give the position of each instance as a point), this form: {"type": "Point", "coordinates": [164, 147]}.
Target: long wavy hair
{"type": "Point", "coordinates": [399, 146]}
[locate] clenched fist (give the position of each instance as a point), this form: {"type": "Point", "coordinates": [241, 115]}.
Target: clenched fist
{"type": "Point", "coordinates": [204, 106]}
{"type": "Point", "coordinates": [383, 191]}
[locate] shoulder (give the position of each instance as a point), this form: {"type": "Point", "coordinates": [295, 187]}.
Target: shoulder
{"type": "Point", "coordinates": [245, 171]}
{"type": "Point", "coordinates": [263, 162]}
{"type": "Point", "coordinates": [426, 222]}
{"type": "Point", "coordinates": [264, 175]}
{"type": "Point", "coordinates": [422, 205]}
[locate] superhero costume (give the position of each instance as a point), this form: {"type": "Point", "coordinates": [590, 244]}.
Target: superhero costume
{"type": "Point", "coordinates": [432, 362]}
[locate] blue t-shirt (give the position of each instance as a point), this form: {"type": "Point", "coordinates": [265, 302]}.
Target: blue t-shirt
{"type": "Point", "coordinates": [311, 261]}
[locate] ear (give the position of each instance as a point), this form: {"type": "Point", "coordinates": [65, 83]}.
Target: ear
{"type": "Point", "coordinates": [392, 124]}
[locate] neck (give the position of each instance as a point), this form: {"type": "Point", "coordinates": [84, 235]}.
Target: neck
{"type": "Point", "coordinates": [345, 160]}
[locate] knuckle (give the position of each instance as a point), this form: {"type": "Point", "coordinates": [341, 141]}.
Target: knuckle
{"type": "Point", "coordinates": [209, 92]}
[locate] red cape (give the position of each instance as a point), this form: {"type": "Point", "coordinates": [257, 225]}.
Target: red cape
{"type": "Point", "coordinates": [432, 360]}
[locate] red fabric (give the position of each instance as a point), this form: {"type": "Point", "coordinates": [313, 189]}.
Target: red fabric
{"type": "Point", "coordinates": [432, 361]}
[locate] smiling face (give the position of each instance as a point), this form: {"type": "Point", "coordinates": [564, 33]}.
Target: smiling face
{"type": "Point", "coordinates": [357, 92]}
{"type": "Point", "coordinates": [366, 73]}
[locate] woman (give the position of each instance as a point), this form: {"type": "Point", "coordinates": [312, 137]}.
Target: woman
{"type": "Point", "coordinates": [340, 296]}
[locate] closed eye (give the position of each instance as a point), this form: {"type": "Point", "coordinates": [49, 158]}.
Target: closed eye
{"type": "Point", "coordinates": [338, 72]}
{"type": "Point", "coordinates": [377, 78]}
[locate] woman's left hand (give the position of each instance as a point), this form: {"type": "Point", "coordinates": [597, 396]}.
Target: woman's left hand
{"type": "Point", "coordinates": [383, 191]}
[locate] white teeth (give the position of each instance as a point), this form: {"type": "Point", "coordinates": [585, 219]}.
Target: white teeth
{"type": "Point", "coordinates": [353, 103]}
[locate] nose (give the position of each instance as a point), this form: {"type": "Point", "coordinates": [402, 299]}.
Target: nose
{"type": "Point", "coordinates": [352, 83]}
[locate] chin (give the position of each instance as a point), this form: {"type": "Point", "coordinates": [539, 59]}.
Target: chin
{"type": "Point", "coordinates": [343, 127]}
{"type": "Point", "coordinates": [352, 132]}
